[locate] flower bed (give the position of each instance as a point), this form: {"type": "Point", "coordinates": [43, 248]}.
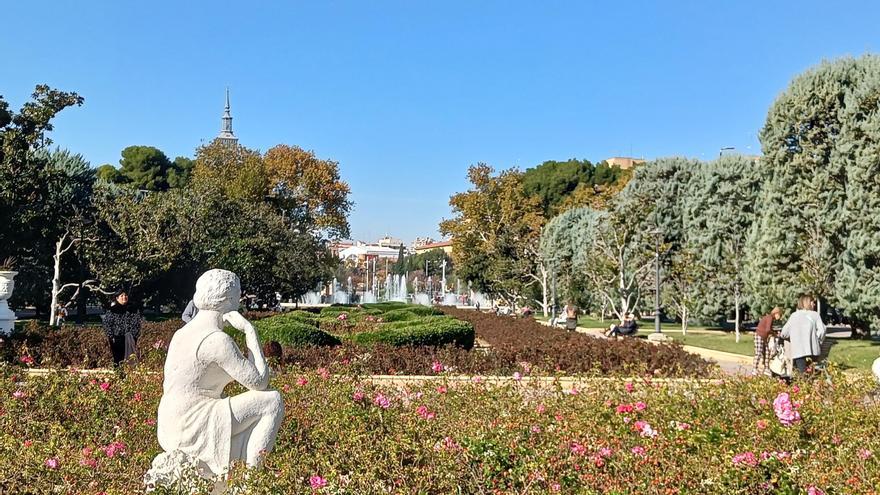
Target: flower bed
{"type": "Point", "coordinates": [558, 349]}
{"type": "Point", "coordinates": [517, 345]}
{"type": "Point", "coordinates": [66, 433]}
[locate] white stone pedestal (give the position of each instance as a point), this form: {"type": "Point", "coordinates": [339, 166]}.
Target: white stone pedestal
{"type": "Point", "coordinates": [7, 317]}
{"type": "Point", "coordinates": [658, 337]}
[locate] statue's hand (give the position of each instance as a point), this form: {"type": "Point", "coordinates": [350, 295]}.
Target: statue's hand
{"type": "Point", "coordinates": [238, 321]}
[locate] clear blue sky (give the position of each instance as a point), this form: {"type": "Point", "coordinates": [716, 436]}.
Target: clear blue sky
{"type": "Point", "coordinates": [405, 95]}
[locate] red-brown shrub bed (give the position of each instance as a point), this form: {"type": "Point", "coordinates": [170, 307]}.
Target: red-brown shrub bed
{"type": "Point", "coordinates": [571, 352]}
{"type": "Point", "coordinates": [523, 346]}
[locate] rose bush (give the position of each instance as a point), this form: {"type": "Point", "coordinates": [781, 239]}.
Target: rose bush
{"type": "Point", "coordinates": [71, 433]}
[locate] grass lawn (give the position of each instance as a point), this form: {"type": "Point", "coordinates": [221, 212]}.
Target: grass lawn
{"type": "Point", "coordinates": [644, 325]}
{"type": "Point", "coordinates": [845, 352]}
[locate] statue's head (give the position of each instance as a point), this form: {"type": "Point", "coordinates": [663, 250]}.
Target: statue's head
{"type": "Point", "coordinates": [217, 290]}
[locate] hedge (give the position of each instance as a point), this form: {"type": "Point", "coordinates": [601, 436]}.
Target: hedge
{"type": "Point", "coordinates": [290, 330]}
{"type": "Point", "coordinates": [427, 331]}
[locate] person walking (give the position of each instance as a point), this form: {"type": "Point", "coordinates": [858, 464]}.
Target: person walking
{"type": "Point", "coordinates": [805, 331]}
{"type": "Point", "coordinates": [122, 324]}
{"type": "Point", "coordinates": [762, 337]}
{"type": "Point", "coordinates": [571, 317]}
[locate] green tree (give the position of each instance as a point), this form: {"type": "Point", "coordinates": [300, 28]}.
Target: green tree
{"type": "Point", "coordinates": [799, 237]}
{"type": "Point", "coordinates": [235, 171]}
{"type": "Point", "coordinates": [719, 212]}
{"type": "Point", "coordinates": [857, 285]}
{"type": "Point", "coordinates": [496, 231]}
{"type": "Point", "coordinates": [552, 181]}
{"type": "Point", "coordinates": [108, 173]}
{"type": "Point", "coordinates": [180, 172]}
{"type": "Point", "coordinates": [308, 188]}
{"type": "Point", "coordinates": [26, 179]}
{"type": "Point", "coordinates": [145, 168]}
{"type": "Point", "coordinates": [564, 242]}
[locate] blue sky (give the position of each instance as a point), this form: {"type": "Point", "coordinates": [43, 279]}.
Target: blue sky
{"type": "Point", "coordinates": [405, 95]}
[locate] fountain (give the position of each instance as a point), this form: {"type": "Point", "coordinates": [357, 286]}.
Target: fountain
{"type": "Point", "coordinates": [311, 298]}
{"type": "Point", "coordinates": [485, 302]}
{"type": "Point", "coordinates": [395, 288]}
{"type": "Point", "coordinates": [339, 296]}
{"type": "Point", "coordinates": [368, 297]}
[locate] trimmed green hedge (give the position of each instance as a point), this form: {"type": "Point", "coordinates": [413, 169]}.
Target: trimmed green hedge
{"type": "Point", "coordinates": [426, 331]}
{"type": "Point", "coordinates": [290, 329]}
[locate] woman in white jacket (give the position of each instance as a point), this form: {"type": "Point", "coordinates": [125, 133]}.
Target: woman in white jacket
{"type": "Point", "coordinates": [805, 330]}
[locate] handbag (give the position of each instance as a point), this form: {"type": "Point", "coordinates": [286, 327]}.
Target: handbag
{"type": "Point", "coordinates": [131, 347]}
{"type": "Point", "coordinates": [779, 363]}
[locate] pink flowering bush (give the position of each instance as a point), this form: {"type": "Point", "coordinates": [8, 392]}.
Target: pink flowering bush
{"type": "Point", "coordinates": [343, 433]}
{"type": "Point", "coordinates": [785, 411]}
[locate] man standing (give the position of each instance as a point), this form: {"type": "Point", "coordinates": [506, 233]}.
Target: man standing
{"type": "Point", "coordinates": [762, 335]}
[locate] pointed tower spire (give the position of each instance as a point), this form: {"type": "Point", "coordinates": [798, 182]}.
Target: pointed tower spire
{"type": "Point", "coordinates": [226, 135]}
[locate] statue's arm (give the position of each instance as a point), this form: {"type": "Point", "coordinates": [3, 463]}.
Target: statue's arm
{"type": "Point", "coordinates": [221, 349]}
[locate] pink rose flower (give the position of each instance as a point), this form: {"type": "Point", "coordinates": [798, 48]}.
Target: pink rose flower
{"type": "Point", "coordinates": [52, 463]}
{"type": "Point", "coordinates": [317, 482]}
{"type": "Point", "coordinates": [629, 387]}
{"type": "Point", "coordinates": [323, 373]}
{"type": "Point", "coordinates": [814, 490]}
{"type": "Point", "coordinates": [865, 454]}
{"type": "Point", "coordinates": [638, 450]}
{"type": "Point", "coordinates": [105, 386]}
{"type": "Point", "coordinates": [577, 448]}
{"type": "Point", "coordinates": [357, 396]}
{"type": "Point", "coordinates": [624, 408]}
{"type": "Point", "coordinates": [785, 411]}
{"type": "Point", "coordinates": [382, 401]}
{"type": "Point", "coordinates": [762, 424]}
{"type": "Point", "coordinates": [27, 360]}
{"type": "Point", "coordinates": [517, 376]}
{"type": "Point", "coordinates": [745, 459]}
{"type": "Point", "coordinates": [301, 381]}
{"type": "Point", "coordinates": [640, 406]}
{"type": "Point", "coordinates": [437, 367]}
{"type": "Point", "coordinates": [19, 394]}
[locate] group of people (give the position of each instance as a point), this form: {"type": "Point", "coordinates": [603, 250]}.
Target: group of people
{"type": "Point", "coordinates": [801, 337]}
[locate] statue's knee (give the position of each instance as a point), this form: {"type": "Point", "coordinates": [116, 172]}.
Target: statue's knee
{"type": "Point", "coordinates": [275, 401]}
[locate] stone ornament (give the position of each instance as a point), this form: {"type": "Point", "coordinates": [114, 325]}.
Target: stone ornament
{"type": "Point", "coordinates": [200, 429]}
{"type": "Point", "coordinates": [7, 316]}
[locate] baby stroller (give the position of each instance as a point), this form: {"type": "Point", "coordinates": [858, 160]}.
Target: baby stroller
{"type": "Point", "coordinates": [781, 366]}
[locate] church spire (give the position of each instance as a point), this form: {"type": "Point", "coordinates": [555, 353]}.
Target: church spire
{"type": "Point", "coordinates": [226, 135]}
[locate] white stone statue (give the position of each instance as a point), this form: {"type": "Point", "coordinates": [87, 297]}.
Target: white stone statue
{"type": "Point", "coordinates": [876, 369]}
{"type": "Point", "coordinates": [199, 427]}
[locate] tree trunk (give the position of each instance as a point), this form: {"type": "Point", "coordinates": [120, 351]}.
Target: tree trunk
{"type": "Point", "coordinates": [736, 323]}
{"type": "Point", "coordinates": [56, 281]}
{"type": "Point", "coordinates": [684, 321]}
{"type": "Point", "coordinates": [545, 306]}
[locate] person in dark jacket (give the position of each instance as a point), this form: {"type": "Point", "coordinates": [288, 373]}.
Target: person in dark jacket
{"type": "Point", "coordinates": [122, 324]}
{"type": "Point", "coordinates": [627, 327]}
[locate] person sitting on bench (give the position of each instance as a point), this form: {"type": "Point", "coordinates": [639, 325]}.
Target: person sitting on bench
{"type": "Point", "coordinates": [626, 328]}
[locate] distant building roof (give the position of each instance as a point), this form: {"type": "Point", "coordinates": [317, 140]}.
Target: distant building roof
{"type": "Point", "coordinates": [445, 245]}
{"type": "Point", "coordinates": [368, 250]}
{"type": "Point", "coordinates": [624, 162]}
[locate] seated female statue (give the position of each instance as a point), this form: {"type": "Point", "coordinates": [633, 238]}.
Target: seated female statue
{"type": "Point", "coordinates": [197, 423]}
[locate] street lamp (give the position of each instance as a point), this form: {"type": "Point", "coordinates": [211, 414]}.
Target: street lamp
{"type": "Point", "coordinates": [657, 233]}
